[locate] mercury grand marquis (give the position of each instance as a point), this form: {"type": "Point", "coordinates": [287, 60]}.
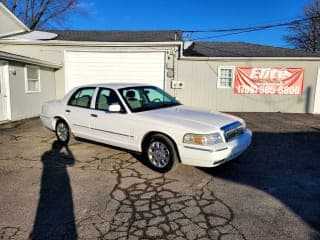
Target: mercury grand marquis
{"type": "Point", "coordinates": [147, 120]}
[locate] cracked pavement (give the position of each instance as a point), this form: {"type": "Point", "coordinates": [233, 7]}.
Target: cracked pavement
{"type": "Point", "coordinates": [92, 191]}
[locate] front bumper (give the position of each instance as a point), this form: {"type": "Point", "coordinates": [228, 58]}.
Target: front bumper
{"type": "Point", "coordinates": [215, 155]}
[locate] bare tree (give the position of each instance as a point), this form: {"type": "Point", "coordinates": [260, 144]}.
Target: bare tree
{"type": "Point", "coordinates": [39, 13]}
{"type": "Point", "coordinates": [305, 34]}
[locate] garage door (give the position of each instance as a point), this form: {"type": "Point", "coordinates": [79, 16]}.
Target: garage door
{"type": "Point", "coordinates": [105, 67]}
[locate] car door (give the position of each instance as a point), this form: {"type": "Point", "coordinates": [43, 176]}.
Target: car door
{"type": "Point", "coordinates": [111, 127]}
{"type": "Point", "coordinates": [77, 111]}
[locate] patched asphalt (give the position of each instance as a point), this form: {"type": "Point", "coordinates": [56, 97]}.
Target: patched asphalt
{"type": "Point", "coordinates": [92, 191]}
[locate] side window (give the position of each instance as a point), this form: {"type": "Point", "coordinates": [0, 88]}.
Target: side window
{"type": "Point", "coordinates": [82, 98]}
{"type": "Point", "coordinates": [133, 98]}
{"type": "Point", "coordinates": [225, 77]}
{"type": "Point", "coordinates": [105, 98]}
{"type": "Point", "coordinates": [132, 94]}
{"type": "Point", "coordinates": [32, 79]}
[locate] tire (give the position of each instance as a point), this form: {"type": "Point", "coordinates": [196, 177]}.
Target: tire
{"type": "Point", "coordinates": [62, 132]}
{"type": "Point", "coordinates": [160, 153]}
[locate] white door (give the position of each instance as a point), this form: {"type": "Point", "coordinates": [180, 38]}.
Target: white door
{"type": "Point", "coordinates": [316, 107]}
{"type": "Point", "coordinates": [3, 94]}
{"type": "Point", "coordinates": [85, 67]}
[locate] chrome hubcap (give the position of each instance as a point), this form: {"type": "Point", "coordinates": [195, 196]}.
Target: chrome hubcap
{"type": "Point", "coordinates": [158, 154]}
{"type": "Point", "coordinates": [62, 132]}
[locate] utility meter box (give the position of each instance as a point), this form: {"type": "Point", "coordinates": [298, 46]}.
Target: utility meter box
{"type": "Point", "coordinates": [177, 84]}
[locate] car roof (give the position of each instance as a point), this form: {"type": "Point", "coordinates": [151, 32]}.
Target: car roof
{"type": "Point", "coordinates": [115, 85]}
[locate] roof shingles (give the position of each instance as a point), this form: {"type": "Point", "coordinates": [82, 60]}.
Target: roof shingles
{"type": "Point", "coordinates": [197, 49]}
{"type": "Point", "coordinates": [240, 49]}
{"type": "Point", "coordinates": [118, 36]}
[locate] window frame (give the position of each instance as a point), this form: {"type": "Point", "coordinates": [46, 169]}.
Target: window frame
{"type": "Point", "coordinates": [26, 79]}
{"type": "Point", "coordinates": [100, 89]}
{"type": "Point", "coordinates": [232, 68]}
{"type": "Point", "coordinates": [75, 93]}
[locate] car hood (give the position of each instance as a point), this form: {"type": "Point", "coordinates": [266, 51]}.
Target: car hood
{"type": "Point", "coordinates": [191, 118]}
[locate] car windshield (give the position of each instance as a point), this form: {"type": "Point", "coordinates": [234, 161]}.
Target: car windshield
{"type": "Point", "coordinates": [144, 98]}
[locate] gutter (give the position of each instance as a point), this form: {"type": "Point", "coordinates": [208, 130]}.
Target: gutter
{"type": "Point", "coordinates": [233, 59]}
{"type": "Point", "coordinates": [88, 43]}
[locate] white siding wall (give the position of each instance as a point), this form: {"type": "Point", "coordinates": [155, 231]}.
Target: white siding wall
{"type": "Point", "coordinates": [25, 105]}
{"type": "Point", "coordinates": [200, 78]}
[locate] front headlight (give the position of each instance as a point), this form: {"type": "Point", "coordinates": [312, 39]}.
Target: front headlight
{"type": "Point", "coordinates": [203, 139]}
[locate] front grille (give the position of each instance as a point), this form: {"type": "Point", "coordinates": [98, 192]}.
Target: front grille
{"type": "Point", "coordinates": [232, 130]}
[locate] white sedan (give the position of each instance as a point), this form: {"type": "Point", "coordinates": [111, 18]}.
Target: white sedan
{"type": "Point", "coordinates": [147, 120]}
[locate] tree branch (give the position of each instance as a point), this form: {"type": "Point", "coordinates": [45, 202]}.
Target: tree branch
{"type": "Point", "coordinates": [38, 13]}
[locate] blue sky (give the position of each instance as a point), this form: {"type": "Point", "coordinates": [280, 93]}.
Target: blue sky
{"type": "Point", "coordinates": [190, 15]}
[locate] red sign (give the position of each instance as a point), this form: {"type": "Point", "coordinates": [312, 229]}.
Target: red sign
{"type": "Point", "coordinates": [273, 81]}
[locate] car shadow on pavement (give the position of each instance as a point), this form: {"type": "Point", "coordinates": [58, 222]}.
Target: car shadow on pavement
{"type": "Point", "coordinates": [285, 166]}
{"type": "Point", "coordinates": [55, 212]}
{"type": "Point", "coordinates": [136, 155]}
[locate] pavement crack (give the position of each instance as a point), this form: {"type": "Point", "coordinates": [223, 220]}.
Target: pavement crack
{"type": "Point", "coordinates": [147, 206]}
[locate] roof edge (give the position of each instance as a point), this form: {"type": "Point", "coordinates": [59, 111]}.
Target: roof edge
{"type": "Point", "coordinates": [87, 43]}
{"type": "Point", "coordinates": [19, 58]}
{"type": "Point", "coordinates": [198, 58]}
{"type": "Point", "coordinates": [14, 17]}
{"type": "Point", "coordinates": [244, 50]}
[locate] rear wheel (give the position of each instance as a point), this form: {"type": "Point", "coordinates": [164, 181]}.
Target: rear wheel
{"type": "Point", "coordinates": [62, 132]}
{"type": "Point", "coordinates": [160, 153]}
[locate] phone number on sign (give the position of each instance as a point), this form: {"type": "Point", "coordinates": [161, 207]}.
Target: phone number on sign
{"type": "Point", "coordinates": [242, 89]}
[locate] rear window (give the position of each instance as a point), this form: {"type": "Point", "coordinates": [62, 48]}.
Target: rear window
{"type": "Point", "coordinates": [82, 98]}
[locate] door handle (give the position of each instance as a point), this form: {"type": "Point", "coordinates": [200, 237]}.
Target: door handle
{"type": "Point", "coordinates": [93, 115]}
{"type": "Point", "coordinates": [67, 110]}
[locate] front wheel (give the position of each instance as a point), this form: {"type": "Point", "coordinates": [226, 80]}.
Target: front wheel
{"type": "Point", "coordinates": [62, 132]}
{"type": "Point", "coordinates": [160, 153]}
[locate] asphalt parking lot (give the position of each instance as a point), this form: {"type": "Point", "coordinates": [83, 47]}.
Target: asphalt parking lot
{"type": "Point", "coordinates": [91, 191]}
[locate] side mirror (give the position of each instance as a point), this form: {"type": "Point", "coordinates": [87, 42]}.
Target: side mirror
{"type": "Point", "coordinates": [114, 108]}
